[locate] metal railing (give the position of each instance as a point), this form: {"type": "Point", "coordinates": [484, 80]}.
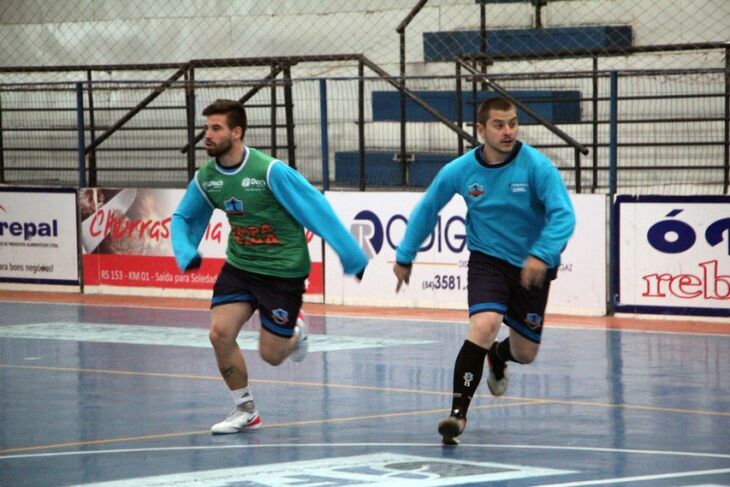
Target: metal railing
{"type": "Point", "coordinates": [631, 137]}
{"type": "Point", "coordinates": [577, 146]}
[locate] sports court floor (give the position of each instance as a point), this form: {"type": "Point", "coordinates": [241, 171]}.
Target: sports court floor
{"type": "Point", "coordinates": [113, 391]}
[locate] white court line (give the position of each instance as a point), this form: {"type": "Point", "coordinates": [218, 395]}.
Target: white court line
{"type": "Point", "coordinates": [179, 337]}
{"type": "Point", "coordinates": [642, 478]}
{"type": "Point", "coordinates": [722, 456]}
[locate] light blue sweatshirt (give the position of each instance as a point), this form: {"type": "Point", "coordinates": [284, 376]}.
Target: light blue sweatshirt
{"type": "Point", "coordinates": [517, 208]}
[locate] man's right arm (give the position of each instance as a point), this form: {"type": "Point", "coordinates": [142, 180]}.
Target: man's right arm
{"type": "Point", "coordinates": [188, 227]}
{"type": "Point", "coordinates": [424, 216]}
{"type": "Point", "coordinates": [402, 274]}
{"type": "Point", "coordinates": [421, 223]}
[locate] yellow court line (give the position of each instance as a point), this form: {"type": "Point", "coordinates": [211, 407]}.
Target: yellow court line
{"type": "Point", "coordinates": [100, 442]}
{"type": "Point", "coordinates": [265, 426]}
{"type": "Point", "coordinates": [109, 371]}
{"type": "Point", "coordinates": [218, 378]}
{"type": "Point", "coordinates": [640, 407]}
{"type": "Point", "coordinates": [373, 388]}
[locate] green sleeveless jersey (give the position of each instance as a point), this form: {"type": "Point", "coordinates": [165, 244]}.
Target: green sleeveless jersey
{"type": "Point", "coordinates": [264, 237]}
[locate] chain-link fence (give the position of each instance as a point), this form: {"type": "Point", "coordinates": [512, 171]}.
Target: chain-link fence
{"type": "Point", "coordinates": [671, 129]}
{"type": "Point", "coordinates": [107, 62]}
{"type": "Point", "coordinates": [526, 35]}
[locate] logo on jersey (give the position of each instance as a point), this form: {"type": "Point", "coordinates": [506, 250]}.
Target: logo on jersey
{"type": "Point", "coordinates": [476, 190]}
{"type": "Point", "coordinates": [253, 235]}
{"type": "Point", "coordinates": [234, 206]}
{"type": "Point", "coordinates": [253, 183]}
{"type": "Point", "coordinates": [281, 316]}
{"type": "Point", "coordinates": [213, 185]}
{"type": "Point", "coordinates": [518, 187]}
{"type": "Point", "coordinates": [368, 232]}
{"type": "Point", "coordinates": [533, 320]}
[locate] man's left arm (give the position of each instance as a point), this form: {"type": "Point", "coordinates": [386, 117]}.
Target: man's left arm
{"type": "Point", "coordinates": [312, 210]}
{"type": "Point", "coordinates": [559, 216]}
{"type": "Point", "coordinates": [188, 225]}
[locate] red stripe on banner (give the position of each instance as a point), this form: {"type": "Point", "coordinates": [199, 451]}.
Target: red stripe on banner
{"type": "Point", "coordinates": [316, 279]}
{"type": "Point", "coordinates": [162, 272]}
{"type": "Point", "coordinates": [147, 271]}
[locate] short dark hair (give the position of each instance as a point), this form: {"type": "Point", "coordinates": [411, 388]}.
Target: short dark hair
{"type": "Point", "coordinates": [233, 110]}
{"type": "Point", "coordinates": [496, 103]}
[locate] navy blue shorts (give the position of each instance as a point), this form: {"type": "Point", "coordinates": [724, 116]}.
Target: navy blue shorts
{"type": "Point", "coordinates": [278, 299]}
{"type": "Point", "coordinates": [494, 285]}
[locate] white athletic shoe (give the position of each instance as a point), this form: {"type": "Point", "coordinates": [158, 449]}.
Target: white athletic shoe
{"type": "Point", "coordinates": [302, 347]}
{"type": "Point", "coordinates": [244, 417]}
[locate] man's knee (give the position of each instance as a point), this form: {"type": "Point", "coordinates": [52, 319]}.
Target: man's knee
{"type": "Point", "coordinates": [524, 354]}
{"type": "Point", "coordinates": [272, 356]}
{"type": "Point", "coordinates": [483, 328]}
{"type": "Point", "coordinates": [220, 335]}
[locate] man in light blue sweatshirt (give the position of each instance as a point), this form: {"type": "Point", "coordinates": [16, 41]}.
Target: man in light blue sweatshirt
{"type": "Point", "coordinates": [519, 219]}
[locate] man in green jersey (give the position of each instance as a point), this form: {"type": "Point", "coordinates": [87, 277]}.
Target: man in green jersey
{"type": "Point", "coordinates": [267, 261]}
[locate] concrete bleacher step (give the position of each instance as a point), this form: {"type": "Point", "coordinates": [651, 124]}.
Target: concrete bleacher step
{"type": "Point", "coordinates": [447, 45]}
{"type": "Point", "coordinates": [556, 106]}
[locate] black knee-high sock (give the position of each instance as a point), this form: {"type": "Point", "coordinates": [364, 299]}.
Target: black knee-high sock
{"type": "Point", "coordinates": [467, 374]}
{"type": "Point", "coordinates": [500, 353]}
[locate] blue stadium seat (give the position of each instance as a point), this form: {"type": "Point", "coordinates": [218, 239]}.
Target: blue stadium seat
{"type": "Point", "coordinates": [445, 46]}
{"type": "Point", "coordinates": [382, 170]}
{"type": "Point", "coordinates": [559, 106]}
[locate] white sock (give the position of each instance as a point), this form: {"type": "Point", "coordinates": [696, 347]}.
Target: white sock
{"type": "Point", "coordinates": [241, 395]}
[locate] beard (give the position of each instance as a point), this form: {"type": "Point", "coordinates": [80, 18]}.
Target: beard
{"type": "Point", "coordinates": [219, 149]}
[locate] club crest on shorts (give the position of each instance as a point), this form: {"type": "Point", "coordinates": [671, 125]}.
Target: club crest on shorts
{"type": "Point", "coordinates": [281, 316]}
{"type": "Point", "coordinates": [533, 320]}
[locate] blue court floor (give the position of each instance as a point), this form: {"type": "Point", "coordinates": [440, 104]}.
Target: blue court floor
{"type": "Point", "coordinates": [125, 396]}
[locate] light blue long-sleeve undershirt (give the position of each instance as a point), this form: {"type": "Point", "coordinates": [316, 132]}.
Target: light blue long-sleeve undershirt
{"type": "Point", "coordinates": [312, 210]}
